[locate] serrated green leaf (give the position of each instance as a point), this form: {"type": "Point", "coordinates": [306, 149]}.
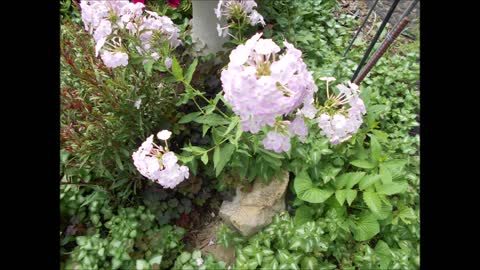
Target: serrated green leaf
{"type": "Point", "coordinates": [351, 195]}
{"type": "Point", "coordinates": [382, 136]}
{"type": "Point", "coordinates": [395, 166]}
{"type": "Point", "coordinates": [392, 188]}
{"type": "Point", "coordinates": [372, 200]}
{"type": "Point", "coordinates": [365, 164]}
{"type": "Point", "coordinates": [385, 174]}
{"type": "Point", "coordinates": [405, 213]}
{"type": "Point", "coordinates": [348, 179]}
{"type": "Point", "coordinates": [368, 180]}
{"type": "Point", "coordinates": [316, 195]}
{"type": "Point", "coordinates": [177, 69]}
{"type": "Point", "coordinates": [189, 117]}
{"type": "Point", "coordinates": [190, 70]}
{"type": "Point", "coordinates": [366, 228]}
{"type": "Point", "coordinates": [375, 149]}
{"type": "Point", "coordinates": [382, 250]}
{"type": "Point", "coordinates": [341, 195]}
{"type": "Point", "coordinates": [225, 154]}
{"type": "Point", "coordinates": [306, 191]}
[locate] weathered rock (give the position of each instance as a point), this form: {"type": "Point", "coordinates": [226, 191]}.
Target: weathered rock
{"type": "Point", "coordinates": [250, 212]}
{"type": "Point", "coordinates": [206, 241]}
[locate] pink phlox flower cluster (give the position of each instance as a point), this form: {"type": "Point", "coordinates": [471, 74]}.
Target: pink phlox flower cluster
{"type": "Point", "coordinates": [107, 19]}
{"type": "Point", "coordinates": [261, 86]}
{"type": "Point", "coordinates": [342, 125]}
{"type": "Point", "coordinates": [299, 128]}
{"type": "Point", "coordinates": [154, 26]}
{"type": "Point", "coordinates": [230, 8]}
{"type": "Point", "coordinates": [158, 164]}
{"type": "Point", "coordinates": [277, 142]}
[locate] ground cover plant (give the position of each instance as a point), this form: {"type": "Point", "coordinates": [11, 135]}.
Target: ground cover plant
{"type": "Point", "coordinates": [154, 137]}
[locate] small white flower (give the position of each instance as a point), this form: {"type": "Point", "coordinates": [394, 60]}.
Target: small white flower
{"type": "Point", "coordinates": [137, 103]}
{"type": "Point", "coordinates": [168, 62]}
{"type": "Point", "coordinates": [199, 261]}
{"type": "Point", "coordinates": [211, 243]}
{"type": "Point", "coordinates": [164, 135]}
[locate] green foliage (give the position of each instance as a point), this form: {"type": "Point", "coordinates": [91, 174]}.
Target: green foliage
{"type": "Point", "coordinates": [127, 240]}
{"type": "Point", "coordinates": [194, 260]}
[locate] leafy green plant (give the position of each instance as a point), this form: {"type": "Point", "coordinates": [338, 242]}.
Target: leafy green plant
{"type": "Point", "coordinates": [132, 240]}
{"type": "Point", "coordinates": [194, 260]}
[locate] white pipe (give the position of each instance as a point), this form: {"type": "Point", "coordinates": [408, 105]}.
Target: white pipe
{"type": "Point", "coordinates": [204, 27]}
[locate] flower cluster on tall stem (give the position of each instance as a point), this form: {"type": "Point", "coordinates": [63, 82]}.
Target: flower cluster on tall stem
{"type": "Point", "coordinates": [159, 164]}
{"type": "Point", "coordinates": [111, 22]}
{"type": "Point", "coordinates": [238, 13]}
{"type": "Point", "coordinates": [341, 115]}
{"type": "Point", "coordinates": [263, 86]}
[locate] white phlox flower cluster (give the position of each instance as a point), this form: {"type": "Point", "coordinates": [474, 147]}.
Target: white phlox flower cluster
{"type": "Point", "coordinates": [238, 10]}
{"type": "Point", "coordinates": [108, 21]}
{"type": "Point", "coordinates": [159, 164]}
{"type": "Point", "coordinates": [341, 124]}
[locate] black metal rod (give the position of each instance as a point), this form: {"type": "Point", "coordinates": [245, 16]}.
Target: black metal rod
{"type": "Point", "coordinates": [360, 29]}
{"type": "Point", "coordinates": [391, 36]}
{"type": "Point", "coordinates": [375, 39]}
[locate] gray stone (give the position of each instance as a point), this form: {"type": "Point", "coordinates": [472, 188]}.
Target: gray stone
{"type": "Point", "coordinates": [249, 212]}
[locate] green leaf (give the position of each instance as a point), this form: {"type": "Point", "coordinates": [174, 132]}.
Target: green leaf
{"type": "Point", "coordinates": [306, 191]}
{"type": "Point", "coordinates": [351, 195]}
{"type": "Point", "coordinates": [142, 264]}
{"type": "Point", "coordinates": [382, 250]}
{"type": "Point", "coordinates": [303, 214]}
{"type": "Point", "coordinates": [190, 70]}
{"type": "Point", "coordinates": [363, 164]}
{"type": "Point", "coordinates": [156, 260]}
{"type": "Point", "coordinates": [309, 263]}
{"type": "Point", "coordinates": [212, 120]}
{"type": "Point", "coordinates": [395, 166]}
{"type": "Point", "coordinates": [382, 136]}
{"type": "Point", "coordinates": [64, 155]}
{"type": "Point", "coordinates": [375, 149]}
{"type": "Point", "coordinates": [224, 156]}
{"type": "Point", "coordinates": [392, 188]}
{"type": "Point", "coordinates": [189, 117]}
{"type": "Point", "coordinates": [119, 183]}
{"type": "Point", "coordinates": [233, 124]}
{"type": "Point", "coordinates": [196, 254]}
{"type": "Point", "coordinates": [341, 195]}
{"type": "Point", "coordinates": [184, 257]}
{"type": "Point", "coordinates": [385, 174]}
{"type": "Point", "coordinates": [366, 227]}
{"type": "Point", "coordinates": [368, 180]}
{"type": "Point", "coordinates": [204, 158]}
{"type": "Point", "coordinates": [177, 69]}
{"type": "Point", "coordinates": [405, 213]}
{"type": "Point", "coordinates": [118, 161]}
{"type": "Point", "coordinates": [148, 67]}
{"type": "Point", "coordinates": [194, 149]}
{"type": "Point", "coordinates": [216, 156]}
{"type": "Point", "coordinates": [348, 179]}
{"type": "Point", "coordinates": [372, 200]}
